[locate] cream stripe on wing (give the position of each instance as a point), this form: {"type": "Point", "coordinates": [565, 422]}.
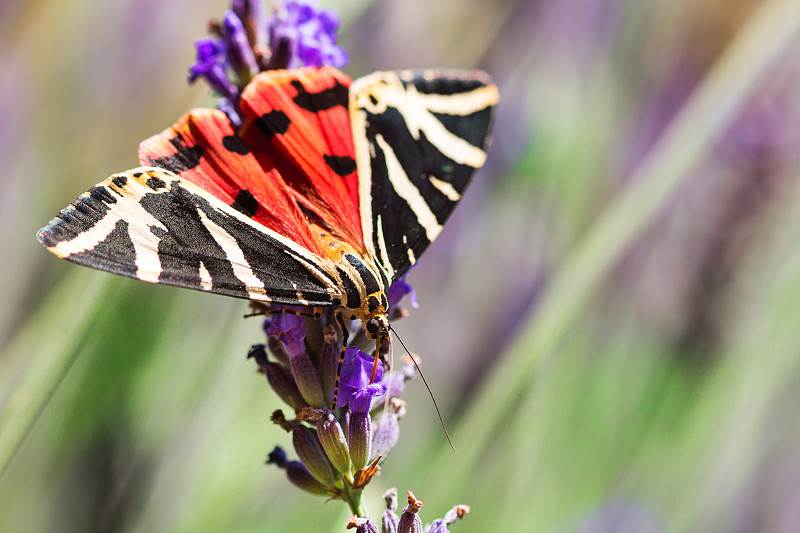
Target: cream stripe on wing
{"type": "Point", "coordinates": [362, 148]}
{"type": "Point", "coordinates": [205, 278]}
{"type": "Point", "coordinates": [408, 192]}
{"type": "Point", "coordinates": [88, 239]}
{"type": "Point", "coordinates": [234, 254]}
{"type": "Point", "coordinates": [445, 188]}
{"type": "Point", "coordinates": [126, 207]}
{"type": "Point", "coordinates": [461, 104]}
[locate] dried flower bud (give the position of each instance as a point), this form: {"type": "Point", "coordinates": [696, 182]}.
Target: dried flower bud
{"type": "Point", "coordinates": [362, 525]}
{"type": "Point", "coordinates": [399, 406]}
{"type": "Point", "coordinates": [409, 519]}
{"type": "Point", "coordinates": [277, 417]}
{"type": "Point", "coordinates": [313, 456]}
{"type": "Point", "coordinates": [362, 477]}
{"type": "Point", "coordinates": [390, 497]}
{"type": "Point", "coordinates": [442, 525]}
{"type": "Point", "coordinates": [456, 513]}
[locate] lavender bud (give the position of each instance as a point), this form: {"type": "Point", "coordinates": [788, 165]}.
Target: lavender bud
{"type": "Point", "coordinates": [333, 441]}
{"type": "Point", "coordinates": [360, 439]}
{"type": "Point", "coordinates": [253, 16]}
{"type": "Point", "coordinates": [395, 383]}
{"type": "Point", "coordinates": [385, 435]}
{"type": "Point", "coordinates": [278, 350]}
{"type": "Point", "coordinates": [409, 519]}
{"type": "Point", "coordinates": [297, 473]}
{"type": "Point", "coordinates": [278, 377]}
{"type": "Point", "coordinates": [307, 379]}
{"type": "Point", "coordinates": [258, 354]}
{"type": "Point", "coordinates": [328, 358]}
{"type": "Point", "coordinates": [313, 456]}
{"type": "Point", "coordinates": [314, 337]}
{"type": "Point", "coordinates": [240, 54]}
{"type": "Point", "coordinates": [362, 525]}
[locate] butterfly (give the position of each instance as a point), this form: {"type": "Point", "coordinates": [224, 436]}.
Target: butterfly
{"type": "Point", "coordinates": [329, 191]}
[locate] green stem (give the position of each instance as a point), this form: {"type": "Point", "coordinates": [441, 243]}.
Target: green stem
{"type": "Point", "coordinates": [354, 501]}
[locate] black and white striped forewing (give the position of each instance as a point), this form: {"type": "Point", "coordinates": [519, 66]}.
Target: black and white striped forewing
{"type": "Point", "coordinates": [152, 225]}
{"type": "Point", "coordinates": [418, 137]}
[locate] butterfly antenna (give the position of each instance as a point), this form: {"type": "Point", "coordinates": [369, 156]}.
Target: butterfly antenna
{"type": "Point", "coordinates": [435, 405]}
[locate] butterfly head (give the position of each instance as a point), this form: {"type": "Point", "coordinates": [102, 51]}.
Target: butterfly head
{"type": "Point", "coordinates": [374, 319]}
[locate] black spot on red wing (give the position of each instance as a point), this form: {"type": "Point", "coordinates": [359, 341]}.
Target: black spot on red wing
{"type": "Point", "coordinates": [101, 194]}
{"type": "Point", "coordinates": [273, 123]}
{"type": "Point", "coordinates": [155, 183]}
{"type": "Point", "coordinates": [119, 181]}
{"type": "Point", "coordinates": [233, 143]}
{"type": "Point", "coordinates": [185, 157]}
{"type": "Point", "coordinates": [245, 203]}
{"type": "Point", "coordinates": [343, 165]}
{"type": "Point", "coordinates": [323, 100]}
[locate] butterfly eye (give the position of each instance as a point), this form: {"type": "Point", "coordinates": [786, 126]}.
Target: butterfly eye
{"type": "Point", "coordinates": [373, 326]}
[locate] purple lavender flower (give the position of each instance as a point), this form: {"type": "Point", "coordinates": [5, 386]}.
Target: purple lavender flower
{"type": "Point", "coordinates": [289, 329]}
{"type": "Point", "coordinates": [211, 65]}
{"type": "Point", "coordinates": [354, 386]}
{"type": "Point", "coordinates": [398, 290]}
{"type": "Point", "coordinates": [303, 35]}
{"type": "Point", "coordinates": [240, 54]}
{"type": "Point", "coordinates": [247, 42]}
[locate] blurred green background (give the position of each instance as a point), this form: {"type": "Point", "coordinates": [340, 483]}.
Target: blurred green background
{"type": "Point", "coordinates": [610, 321]}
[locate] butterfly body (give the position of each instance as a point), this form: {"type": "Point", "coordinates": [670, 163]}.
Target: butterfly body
{"type": "Point", "coordinates": [328, 192]}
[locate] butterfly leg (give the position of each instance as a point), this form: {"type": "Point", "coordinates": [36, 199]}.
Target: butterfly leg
{"type": "Point", "coordinates": [315, 314]}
